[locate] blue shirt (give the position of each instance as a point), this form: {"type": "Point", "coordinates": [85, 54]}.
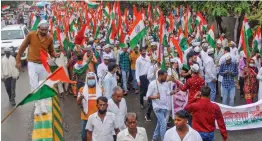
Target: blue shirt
{"type": "Point", "coordinates": [228, 79]}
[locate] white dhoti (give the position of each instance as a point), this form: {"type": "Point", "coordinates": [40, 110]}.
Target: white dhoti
{"type": "Point", "coordinates": [37, 73]}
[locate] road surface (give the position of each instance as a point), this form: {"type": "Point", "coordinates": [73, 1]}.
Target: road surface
{"type": "Point", "coordinates": [18, 126]}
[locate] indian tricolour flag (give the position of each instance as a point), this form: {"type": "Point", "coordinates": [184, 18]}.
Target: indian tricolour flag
{"type": "Point", "coordinates": [245, 34]}
{"type": "Point", "coordinates": [45, 89]}
{"type": "Point", "coordinates": [5, 7]}
{"type": "Point", "coordinates": [107, 10]}
{"type": "Point", "coordinates": [182, 39]}
{"type": "Point", "coordinates": [92, 5]}
{"type": "Point", "coordinates": [137, 32]}
{"type": "Point", "coordinates": [257, 41]}
{"type": "Point", "coordinates": [35, 22]}
{"type": "Point", "coordinates": [211, 37]}
{"type": "Point", "coordinates": [80, 68]}
{"type": "Point", "coordinates": [198, 18]}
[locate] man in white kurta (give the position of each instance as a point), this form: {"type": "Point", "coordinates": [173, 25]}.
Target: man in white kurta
{"type": "Point", "coordinates": [103, 68]}
{"type": "Point", "coordinates": [117, 105]}
{"type": "Point", "coordinates": [210, 73]}
{"type": "Point", "coordinates": [9, 74]}
{"type": "Point", "coordinates": [109, 82]}
{"type": "Point", "coordinates": [62, 61]}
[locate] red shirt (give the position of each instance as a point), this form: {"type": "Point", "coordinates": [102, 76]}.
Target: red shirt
{"type": "Point", "coordinates": [193, 84]}
{"type": "Point", "coordinates": [204, 115]}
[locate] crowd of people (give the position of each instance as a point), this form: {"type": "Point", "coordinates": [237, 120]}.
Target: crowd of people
{"type": "Point", "coordinates": [107, 71]}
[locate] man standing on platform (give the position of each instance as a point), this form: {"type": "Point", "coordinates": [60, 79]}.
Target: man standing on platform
{"type": "Point", "coordinates": [37, 40]}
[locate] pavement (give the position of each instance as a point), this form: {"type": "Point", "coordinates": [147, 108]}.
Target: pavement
{"type": "Point", "coordinates": [18, 127]}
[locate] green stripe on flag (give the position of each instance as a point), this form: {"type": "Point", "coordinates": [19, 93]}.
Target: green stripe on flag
{"type": "Point", "coordinates": [246, 36]}
{"type": "Point", "coordinates": [122, 45]}
{"type": "Point", "coordinates": [137, 38]}
{"type": "Point", "coordinates": [42, 93]}
{"type": "Point", "coordinates": [35, 24]}
{"type": "Point", "coordinates": [81, 70]}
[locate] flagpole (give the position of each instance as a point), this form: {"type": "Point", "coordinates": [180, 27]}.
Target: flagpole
{"type": "Point", "coordinates": [10, 112]}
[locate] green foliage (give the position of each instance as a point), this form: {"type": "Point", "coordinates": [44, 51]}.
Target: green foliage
{"type": "Point", "coordinates": [243, 6]}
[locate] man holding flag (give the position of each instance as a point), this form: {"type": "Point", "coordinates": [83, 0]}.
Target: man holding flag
{"type": "Point", "coordinates": [38, 42]}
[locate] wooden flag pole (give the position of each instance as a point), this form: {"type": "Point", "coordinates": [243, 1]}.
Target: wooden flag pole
{"type": "Point", "coordinates": [10, 112]}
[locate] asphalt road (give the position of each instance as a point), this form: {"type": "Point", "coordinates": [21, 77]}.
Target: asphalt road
{"type": "Point", "coordinates": [18, 126]}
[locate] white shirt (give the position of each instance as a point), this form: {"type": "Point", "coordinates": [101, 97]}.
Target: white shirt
{"type": "Point", "coordinates": [120, 112]}
{"type": "Point", "coordinates": [185, 54]}
{"type": "Point", "coordinates": [62, 60]}
{"type": "Point", "coordinates": [203, 55]}
{"type": "Point", "coordinates": [142, 66]}
{"type": "Point", "coordinates": [164, 91]}
{"type": "Point", "coordinates": [109, 83]}
{"type": "Point", "coordinates": [125, 136]}
{"type": "Point", "coordinates": [200, 63]}
{"type": "Point", "coordinates": [210, 69]}
{"type": "Point", "coordinates": [217, 55]}
{"type": "Point", "coordinates": [101, 70]}
{"type": "Point", "coordinates": [102, 130]}
{"type": "Point", "coordinates": [225, 42]}
{"type": "Point", "coordinates": [234, 53]}
{"type": "Point", "coordinates": [8, 67]}
{"type": "Point", "coordinates": [172, 135]}
{"type": "Point", "coordinates": [151, 72]}
{"type": "Point", "coordinates": [257, 62]}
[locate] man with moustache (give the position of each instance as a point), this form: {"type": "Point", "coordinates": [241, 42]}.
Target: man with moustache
{"type": "Point", "coordinates": [102, 123]}
{"type": "Point", "coordinates": [37, 41]}
{"type": "Point", "coordinates": [117, 105]}
{"type": "Point", "coordinates": [143, 62]}
{"type": "Point", "coordinates": [182, 131]}
{"type": "Point", "coordinates": [132, 132]}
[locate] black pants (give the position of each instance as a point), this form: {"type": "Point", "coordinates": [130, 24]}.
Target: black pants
{"type": "Point", "coordinates": [10, 84]}
{"type": "Point", "coordinates": [150, 108]}
{"type": "Point", "coordinates": [143, 88]}
{"type": "Point", "coordinates": [241, 84]}
{"type": "Point", "coordinates": [78, 86]}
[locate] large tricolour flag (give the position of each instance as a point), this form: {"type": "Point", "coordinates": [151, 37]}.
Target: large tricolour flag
{"type": "Point", "coordinates": [211, 37]}
{"type": "Point", "coordinates": [45, 89]}
{"type": "Point", "coordinates": [137, 32]}
{"type": "Point", "coordinates": [257, 41]}
{"type": "Point", "coordinates": [245, 34]}
{"type": "Point", "coordinates": [35, 22]}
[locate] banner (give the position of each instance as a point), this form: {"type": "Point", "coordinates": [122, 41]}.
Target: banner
{"type": "Point", "coordinates": [242, 117]}
{"type": "Point", "coordinates": [236, 118]}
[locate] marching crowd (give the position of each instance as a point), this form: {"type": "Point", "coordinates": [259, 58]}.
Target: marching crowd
{"type": "Point", "coordinates": [106, 72]}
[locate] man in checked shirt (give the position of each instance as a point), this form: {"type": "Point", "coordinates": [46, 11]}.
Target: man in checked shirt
{"type": "Point", "coordinates": [228, 70]}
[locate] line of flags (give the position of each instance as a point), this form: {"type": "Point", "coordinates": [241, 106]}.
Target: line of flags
{"type": "Point", "coordinates": [71, 21]}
